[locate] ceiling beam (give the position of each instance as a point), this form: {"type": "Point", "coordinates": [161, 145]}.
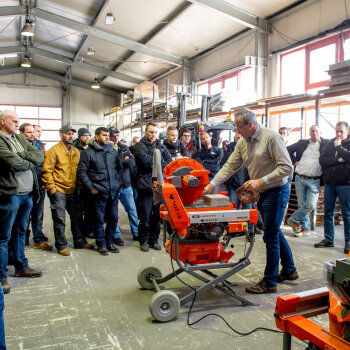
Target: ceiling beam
{"type": "Point", "coordinates": [236, 13]}
{"type": "Point", "coordinates": [112, 38]}
{"type": "Point", "coordinates": [58, 77]}
{"type": "Point", "coordinates": [71, 62]}
{"type": "Point", "coordinates": [182, 8]}
{"type": "Point", "coordinates": [13, 10]}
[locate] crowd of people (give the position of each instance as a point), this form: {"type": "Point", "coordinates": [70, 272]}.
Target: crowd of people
{"type": "Point", "coordinates": [88, 176]}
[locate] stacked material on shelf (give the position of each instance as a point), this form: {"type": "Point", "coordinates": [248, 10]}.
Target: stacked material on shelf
{"type": "Point", "coordinates": [145, 90]}
{"type": "Point", "coordinates": [339, 73]}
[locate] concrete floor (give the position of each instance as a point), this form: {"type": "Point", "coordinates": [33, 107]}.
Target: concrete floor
{"type": "Point", "coordinates": [88, 301]}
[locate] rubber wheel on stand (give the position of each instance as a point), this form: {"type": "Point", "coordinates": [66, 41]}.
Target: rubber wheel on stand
{"type": "Point", "coordinates": [164, 306]}
{"type": "Point", "coordinates": [144, 274]}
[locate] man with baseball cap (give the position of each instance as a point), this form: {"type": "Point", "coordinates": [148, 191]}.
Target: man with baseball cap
{"type": "Point", "coordinates": [59, 173]}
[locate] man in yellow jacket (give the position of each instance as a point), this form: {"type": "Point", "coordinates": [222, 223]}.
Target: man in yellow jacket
{"type": "Point", "coordinates": [59, 173]}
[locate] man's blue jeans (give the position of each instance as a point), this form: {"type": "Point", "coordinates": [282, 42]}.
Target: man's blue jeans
{"type": "Point", "coordinates": [126, 198]}
{"type": "Point", "coordinates": [14, 217]}
{"type": "Point", "coordinates": [272, 205]}
{"type": "Point", "coordinates": [330, 195]}
{"type": "Point", "coordinates": [37, 216]}
{"type": "Point", "coordinates": [307, 193]}
{"type": "Point", "coordinates": [2, 327]}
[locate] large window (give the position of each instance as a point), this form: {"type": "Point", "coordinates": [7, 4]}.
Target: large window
{"type": "Point", "coordinates": [49, 118]}
{"type": "Point", "coordinates": [305, 70]}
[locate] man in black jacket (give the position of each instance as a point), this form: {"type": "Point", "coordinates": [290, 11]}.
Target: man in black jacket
{"type": "Point", "coordinates": [305, 155]}
{"type": "Point", "coordinates": [100, 171]}
{"type": "Point", "coordinates": [176, 147]}
{"type": "Point", "coordinates": [335, 161]}
{"type": "Point", "coordinates": [125, 194]}
{"type": "Point", "coordinates": [209, 156]}
{"type": "Point", "coordinates": [149, 227]}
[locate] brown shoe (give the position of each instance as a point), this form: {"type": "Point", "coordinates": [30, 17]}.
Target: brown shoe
{"type": "Point", "coordinates": [64, 252]}
{"type": "Point", "coordinates": [28, 273]}
{"type": "Point", "coordinates": [261, 287]}
{"type": "Point", "coordinates": [5, 287]}
{"type": "Point", "coordinates": [87, 246]}
{"type": "Point", "coordinates": [287, 276]}
{"type": "Point", "coordinates": [43, 246]}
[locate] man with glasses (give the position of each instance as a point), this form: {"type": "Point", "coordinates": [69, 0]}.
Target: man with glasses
{"type": "Point", "coordinates": [264, 154]}
{"type": "Point", "coordinates": [186, 139]}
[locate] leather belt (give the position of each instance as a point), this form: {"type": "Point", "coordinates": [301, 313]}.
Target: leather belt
{"type": "Point", "coordinates": [309, 177]}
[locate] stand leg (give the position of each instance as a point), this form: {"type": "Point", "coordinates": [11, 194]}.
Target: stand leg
{"type": "Point", "coordinates": [287, 341]}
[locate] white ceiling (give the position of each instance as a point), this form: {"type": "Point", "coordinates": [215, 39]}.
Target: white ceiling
{"type": "Point", "coordinates": [196, 29]}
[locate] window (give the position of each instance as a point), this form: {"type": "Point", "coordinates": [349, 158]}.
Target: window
{"type": "Point", "coordinates": [293, 72]}
{"type": "Point", "coordinates": [49, 118]}
{"type": "Point", "coordinates": [215, 88]}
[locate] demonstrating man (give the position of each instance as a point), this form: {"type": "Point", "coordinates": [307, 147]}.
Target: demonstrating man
{"type": "Point", "coordinates": [85, 196]}
{"type": "Point", "coordinates": [186, 139]}
{"type": "Point", "coordinates": [17, 177]}
{"type": "Point", "coordinates": [37, 213]}
{"type": "Point", "coordinates": [264, 154]}
{"type": "Point", "coordinates": [176, 147]}
{"type": "Point", "coordinates": [125, 194]}
{"type": "Point", "coordinates": [149, 227]}
{"type": "Point", "coordinates": [59, 174]}
{"type": "Point", "coordinates": [209, 156]}
{"type": "Point", "coordinates": [335, 162]}
{"type": "Point", "coordinates": [99, 171]}
{"type": "Point", "coordinates": [305, 155]}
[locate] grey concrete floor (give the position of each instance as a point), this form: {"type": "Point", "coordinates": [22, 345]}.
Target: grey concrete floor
{"type": "Point", "coordinates": [88, 301]}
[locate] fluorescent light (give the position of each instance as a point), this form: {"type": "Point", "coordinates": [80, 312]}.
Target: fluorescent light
{"type": "Point", "coordinates": [27, 29]}
{"type": "Point", "coordinates": [26, 62]}
{"type": "Point", "coordinates": [91, 51]}
{"type": "Point", "coordinates": [95, 84]}
{"type": "Point", "coordinates": [109, 18]}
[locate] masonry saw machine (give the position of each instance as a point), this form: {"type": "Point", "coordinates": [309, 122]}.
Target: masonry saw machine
{"type": "Point", "coordinates": [199, 239]}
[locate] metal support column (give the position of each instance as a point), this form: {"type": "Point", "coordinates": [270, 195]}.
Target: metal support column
{"type": "Point", "coordinates": [142, 118]}
{"type": "Point", "coordinates": [317, 110]}
{"type": "Point", "coordinates": [153, 101]}
{"type": "Point", "coordinates": [167, 103]}
{"type": "Point", "coordinates": [181, 108]}
{"type": "Point", "coordinates": [266, 115]}
{"type": "Point", "coordinates": [261, 56]}
{"type": "Point", "coordinates": [301, 122]}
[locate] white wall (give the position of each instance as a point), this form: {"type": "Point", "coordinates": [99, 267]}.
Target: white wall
{"type": "Point", "coordinates": [82, 107]}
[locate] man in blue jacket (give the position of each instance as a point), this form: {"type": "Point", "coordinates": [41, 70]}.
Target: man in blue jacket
{"type": "Point", "coordinates": [100, 171]}
{"type": "Point", "coordinates": [149, 227]}
{"type": "Point", "coordinates": [335, 161]}
{"type": "Point", "coordinates": [305, 155]}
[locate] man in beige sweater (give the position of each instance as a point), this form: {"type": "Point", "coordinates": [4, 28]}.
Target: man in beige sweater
{"type": "Point", "coordinates": [264, 154]}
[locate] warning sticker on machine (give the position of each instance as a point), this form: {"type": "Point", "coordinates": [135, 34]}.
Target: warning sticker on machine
{"type": "Point", "coordinates": [219, 216]}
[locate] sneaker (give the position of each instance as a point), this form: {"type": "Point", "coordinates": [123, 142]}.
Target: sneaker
{"type": "Point", "coordinates": [287, 276]}
{"type": "Point", "coordinates": [5, 287]}
{"type": "Point", "coordinates": [261, 287]}
{"type": "Point", "coordinates": [303, 232]}
{"type": "Point", "coordinates": [112, 248]}
{"type": "Point", "coordinates": [64, 252]}
{"type": "Point", "coordinates": [118, 241]}
{"type": "Point", "coordinates": [28, 273]}
{"type": "Point", "coordinates": [103, 250]}
{"type": "Point", "coordinates": [43, 246]}
{"type": "Point", "coordinates": [144, 247]}
{"type": "Point", "coordinates": [296, 227]}
{"type": "Point", "coordinates": [324, 244]}
{"type": "Point", "coordinates": [347, 248]}
{"type": "Point", "coordinates": [155, 246]}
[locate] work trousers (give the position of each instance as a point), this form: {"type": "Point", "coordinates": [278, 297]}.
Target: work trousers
{"type": "Point", "coordinates": [272, 204]}
{"type": "Point", "coordinates": [61, 202]}
{"type": "Point", "coordinates": [37, 216]}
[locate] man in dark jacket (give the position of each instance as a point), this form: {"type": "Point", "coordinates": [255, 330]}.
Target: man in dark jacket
{"type": "Point", "coordinates": [80, 142]}
{"type": "Point", "coordinates": [209, 156]}
{"type": "Point", "coordinates": [305, 156]}
{"type": "Point", "coordinates": [149, 227]}
{"type": "Point", "coordinates": [37, 213]}
{"type": "Point", "coordinates": [100, 171]}
{"type": "Point", "coordinates": [133, 171]}
{"type": "Point", "coordinates": [176, 147]}
{"type": "Point", "coordinates": [125, 194]}
{"type": "Point", "coordinates": [17, 177]}
{"type": "Point", "coordinates": [335, 161]}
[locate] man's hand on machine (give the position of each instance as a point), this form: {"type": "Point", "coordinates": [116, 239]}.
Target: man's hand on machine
{"type": "Point", "coordinates": [252, 185]}
{"type": "Point", "coordinates": [207, 189]}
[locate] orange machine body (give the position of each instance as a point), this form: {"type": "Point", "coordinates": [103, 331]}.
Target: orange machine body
{"type": "Point", "coordinates": [184, 182]}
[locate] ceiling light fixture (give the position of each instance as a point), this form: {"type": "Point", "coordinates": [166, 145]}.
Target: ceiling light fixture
{"type": "Point", "coordinates": [95, 84]}
{"type": "Point", "coordinates": [26, 62]}
{"type": "Point", "coordinates": [110, 18]}
{"type": "Point", "coordinates": [27, 29]}
{"type": "Point", "coordinates": [91, 51]}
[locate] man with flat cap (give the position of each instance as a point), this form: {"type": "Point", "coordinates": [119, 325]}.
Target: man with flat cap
{"type": "Point", "coordinates": [59, 173]}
